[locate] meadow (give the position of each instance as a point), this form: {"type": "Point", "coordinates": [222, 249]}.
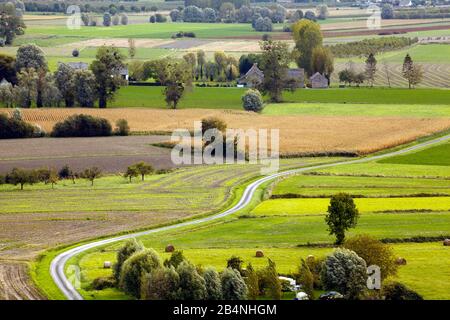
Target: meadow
{"type": "Point", "coordinates": [437, 156]}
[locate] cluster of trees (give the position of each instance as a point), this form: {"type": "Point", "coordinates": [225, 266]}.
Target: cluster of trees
{"type": "Point", "coordinates": [11, 22]}
{"type": "Point", "coordinates": [14, 127]}
{"type": "Point", "coordinates": [108, 19]}
{"type": "Point", "coordinates": [142, 274]}
{"type": "Point", "coordinates": [19, 176]}
{"type": "Point", "coordinates": [372, 45]}
{"type": "Point", "coordinates": [30, 82]}
{"type": "Point", "coordinates": [388, 12]}
{"type": "Point", "coordinates": [139, 169]}
{"type": "Point", "coordinates": [87, 6]}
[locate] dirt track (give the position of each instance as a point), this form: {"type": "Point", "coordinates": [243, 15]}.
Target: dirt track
{"type": "Point", "coordinates": [15, 283]}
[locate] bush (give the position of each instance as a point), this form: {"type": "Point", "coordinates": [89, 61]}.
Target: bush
{"type": "Point", "coordinates": [160, 18]}
{"type": "Point", "coordinates": [75, 53]}
{"type": "Point", "coordinates": [82, 126]}
{"type": "Point", "coordinates": [374, 252]}
{"type": "Point", "coordinates": [122, 128]}
{"type": "Point", "coordinates": [252, 101]}
{"type": "Point", "coordinates": [345, 272]}
{"type": "Point", "coordinates": [135, 267]}
{"type": "Point", "coordinates": [233, 286]}
{"type": "Point", "coordinates": [398, 291]}
{"type": "Point", "coordinates": [127, 250]}
{"type": "Point", "coordinates": [213, 284]}
{"type": "Point", "coordinates": [213, 123]}
{"type": "Point", "coordinates": [152, 19]}
{"type": "Point", "coordinates": [192, 285]}
{"type": "Point", "coordinates": [101, 283]}
{"type": "Point", "coordinates": [12, 128]}
{"type": "Point", "coordinates": [161, 284]}
{"type": "Point", "coordinates": [175, 259]}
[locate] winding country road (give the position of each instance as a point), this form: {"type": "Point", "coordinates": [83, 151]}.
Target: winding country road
{"type": "Point", "coordinates": [58, 263]}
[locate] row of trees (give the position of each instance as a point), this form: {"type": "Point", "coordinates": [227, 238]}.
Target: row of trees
{"type": "Point", "coordinates": [108, 19]}
{"type": "Point", "coordinates": [11, 23]}
{"type": "Point", "coordinates": [412, 72]}
{"type": "Point", "coordinates": [32, 84]}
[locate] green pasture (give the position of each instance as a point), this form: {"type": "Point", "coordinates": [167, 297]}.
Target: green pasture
{"type": "Point", "coordinates": [311, 206]}
{"type": "Point", "coordinates": [437, 156]}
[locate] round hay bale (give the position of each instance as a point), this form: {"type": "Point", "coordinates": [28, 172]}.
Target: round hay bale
{"type": "Point", "coordinates": [170, 248]}
{"type": "Point", "coordinates": [447, 242]}
{"type": "Point", "coordinates": [107, 265]}
{"type": "Point", "coordinates": [400, 261]}
{"type": "Point", "coordinates": [310, 259]}
{"type": "Point", "coordinates": [259, 254]}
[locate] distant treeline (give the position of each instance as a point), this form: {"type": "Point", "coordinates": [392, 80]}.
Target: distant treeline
{"type": "Point", "coordinates": [422, 13]}
{"type": "Point", "coordinates": [367, 46]}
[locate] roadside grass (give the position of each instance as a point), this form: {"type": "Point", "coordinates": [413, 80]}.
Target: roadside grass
{"type": "Point", "coordinates": [314, 206]}
{"type": "Point", "coordinates": [434, 156]}
{"type": "Point", "coordinates": [351, 109]}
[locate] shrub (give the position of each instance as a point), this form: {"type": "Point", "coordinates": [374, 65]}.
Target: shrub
{"type": "Point", "coordinates": [152, 19]}
{"type": "Point", "coordinates": [252, 101]}
{"type": "Point", "coordinates": [233, 286]}
{"type": "Point", "coordinates": [160, 18]}
{"type": "Point", "coordinates": [175, 259]}
{"type": "Point", "coordinates": [160, 284]}
{"type": "Point", "coordinates": [75, 53]}
{"type": "Point", "coordinates": [122, 128]}
{"type": "Point", "coordinates": [123, 19]}
{"type": "Point", "coordinates": [13, 128]}
{"type": "Point", "coordinates": [106, 19]}
{"type": "Point", "coordinates": [345, 272]}
{"type": "Point", "coordinates": [374, 252]}
{"type": "Point", "coordinates": [101, 283]}
{"type": "Point", "coordinates": [192, 285]}
{"type": "Point", "coordinates": [82, 126]}
{"type": "Point", "coordinates": [213, 284]}
{"type": "Point", "coordinates": [91, 174]}
{"type": "Point", "coordinates": [134, 268]}
{"type": "Point", "coordinates": [398, 291]}
{"type": "Point", "coordinates": [127, 250]}
{"type": "Point", "coordinates": [213, 123]}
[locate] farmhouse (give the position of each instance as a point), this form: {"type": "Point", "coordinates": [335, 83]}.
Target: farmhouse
{"type": "Point", "coordinates": [255, 76]}
{"type": "Point", "coordinates": [84, 66]}
{"type": "Point", "coordinates": [318, 80]}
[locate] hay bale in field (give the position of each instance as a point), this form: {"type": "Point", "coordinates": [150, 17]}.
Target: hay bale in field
{"type": "Point", "coordinates": [107, 265]}
{"type": "Point", "coordinates": [400, 261]}
{"type": "Point", "coordinates": [170, 248]}
{"type": "Point", "coordinates": [447, 242]}
{"type": "Point", "coordinates": [259, 254]}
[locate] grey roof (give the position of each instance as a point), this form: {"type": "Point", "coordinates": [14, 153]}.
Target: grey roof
{"type": "Point", "coordinates": [296, 73]}
{"type": "Point", "coordinates": [78, 65]}
{"type": "Point", "coordinates": [317, 74]}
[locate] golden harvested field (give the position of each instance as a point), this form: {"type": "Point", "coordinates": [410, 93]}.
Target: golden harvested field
{"type": "Point", "coordinates": [362, 23]}
{"type": "Point", "coordinates": [298, 134]}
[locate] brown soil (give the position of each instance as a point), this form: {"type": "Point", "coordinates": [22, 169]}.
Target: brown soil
{"type": "Point", "coordinates": [15, 283]}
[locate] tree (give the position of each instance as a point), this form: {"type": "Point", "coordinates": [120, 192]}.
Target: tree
{"type": "Point", "coordinates": [7, 68]}
{"type": "Point", "coordinates": [131, 48]}
{"type": "Point", "coordinates": [322, 61]}
{"type": "Point", "coordinates": [51, 96]}
{"type": "Point", "coordinates": [345, 272]}
{"type": "Point", "coordinates": [85, 88]}
{"type": "Point", "coordinates": [66, 172]}
{"type": "Point", "coordinates": [209, 15]}
{"type": "Point", "coordinates": [235, 263]}
{"type": "Point", "coordinates": [11, 23]}
{"type": "Point", "coordinates": [123, 19]}
{"type": "Point", "coordinates": [175, 15]}
{"type": "Point", "coordinates": [132, 172]}
{"type": "Point", "coordinates": [387, 72]}
{"type": "Point", "coordinates": [21, 177]}
{"type": "Point", "coordinates": [398, 291]}
{"type": "Point", "coordinates": [175, 259]}
{"type": "Point", "coordinates": [7, 95]}
{"type": "Point", "coordinates": [387, 11]}
{"type": "Point", "coordinates": [218, 124]}
{"type": "Point", "coordinates": [244, 14]}
{"type": "Point", "coordinates": [201, 61]}
{"type": "Point", "coordinates": [64, 79]}
{"type": "Point", "coordinates": [192, 14]}
{"type": "Point", "coordinates": [30, 56]}
{"type": "Point", "coordinates": [246, 61]}
{"type": "Point", "coordinates": [371, 68]}
{"type": "Point", "coordinates": [252, 101]}
{"type": "Point", "coordinates": [106, 68]}
{"type": "Point", "coordinates": [374, 252]}
{"type": "Point", "coordinates": [306, 279]}
{"type": "Point", "coordinates": [91, 174]}
{"type": "Point", "coordinates": [296, 16]}
{"type": "Point", "coordinates": [252, 282]}
{"type": "Point", "coordinates": [322, 11]}
{"type": "Point", "coordinates": [411, 72]}
{"type": "Point", "coordinates": [161, 284]}
{"type": "Point", "coordinates": [310, 15]}
{"type": "Point", "coordinates": [177, 77]}
{"type": "Point", "coordinates": [136, 69]}
{"type": "Point", "coordinates": [127, 250]}
{"type": "Point", "coordinates": [191, 60]}
{"type": "Point", "coordinates": [342, 215]}
{"type": "Point", "coordinates": [307, 36]}
{"type": "Point", "coordinates": [275, 61]}
{"type": "Point", "coordinates": [106, 19]}
{"type": "Point", "coordinates": [144, 169]}
{"type": "Point", "coordinates": [270, 281]}
{"type": "Point", "coordinates": [278, 14]}
{"type": "Point", "coordinates": [27, 91]}
{"type": "Point", "coordinates": [263, 24]}
{"type": "Point", "coordinates": [233, 286]}
{"type": "Point", "coordinates": [227, 11]}
{"type": "Point", "coordinates": [212, 284]}
{"type": "Point", "coordinates": [85, 19]}
{"type": "Point", "coordinates": [115, 20]}
{"type": "Point", "coordinates": [135, 267]}
{"type": "Point", "coordinates": [192, 285]}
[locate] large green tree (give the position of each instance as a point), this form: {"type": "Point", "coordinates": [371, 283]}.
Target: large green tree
{"type": "Point", "coordinates": [307, 36]}
{"type": "Point", "coordinates": [64, 79]}
{"type": "Point", "coordinates": [108, 63]}
{"type": "Point", "coordinates": [322, 61]}
{"type": "Point", "coordinates": [11, 22]}
{"type": "Point", "coordinates": [342, 215]}
{"type": "Point", "coordinates": [275, 60]}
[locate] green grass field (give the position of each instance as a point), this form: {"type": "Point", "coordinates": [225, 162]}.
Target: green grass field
{"type": "Point", "coordinates": [437, 156]}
